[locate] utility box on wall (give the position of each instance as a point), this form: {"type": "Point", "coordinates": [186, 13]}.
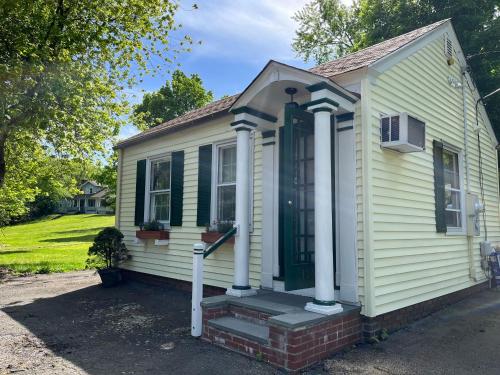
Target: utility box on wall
{"type": "Point", "coordinates": [474, 209]}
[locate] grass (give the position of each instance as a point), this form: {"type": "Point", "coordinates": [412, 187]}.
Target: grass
{"type": "Point", "coordinates": [50, 244]}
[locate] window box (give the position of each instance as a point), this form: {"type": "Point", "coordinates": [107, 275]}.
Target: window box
{"type": "Point", "coordinates": [211, 237]}
{"type": "Point", "coordinates": [152, 234]}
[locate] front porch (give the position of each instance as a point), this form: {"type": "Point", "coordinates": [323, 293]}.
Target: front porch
{"type": "Point", "coordinates": [274, 327]}
{"type": "Point", "coordinates": [308, 196]}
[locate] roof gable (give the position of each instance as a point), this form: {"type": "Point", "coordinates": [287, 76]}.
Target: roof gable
{"type": "Point", "coordinates": [329, 70]}
{"type": "Point", "coordinates": [372, 54]}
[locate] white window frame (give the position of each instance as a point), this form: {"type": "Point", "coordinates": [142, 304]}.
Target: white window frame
{"type": "Point", "coordinates": [215, 177]}
{"type": "Point", "coordinates": [462, 229]}
{"type": "Point", "coordinates": [147, 195]}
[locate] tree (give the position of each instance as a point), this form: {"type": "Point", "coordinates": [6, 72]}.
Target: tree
{"type": "Point", "coordinates": [107, 177]}
{"type": "Point", "coordinates": [178, 96]}
{"type": "Point", "coordinates": [328, 29]}
{"type": "Point", "coordinates": [64, 62]}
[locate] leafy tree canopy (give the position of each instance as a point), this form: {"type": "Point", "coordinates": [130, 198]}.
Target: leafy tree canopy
{"type": "Point", "coordinates": [63, 65]}
{"type": "Point", "coordinates": [328, 30]}
{"type": "Point", "coordinates": [177, 97]}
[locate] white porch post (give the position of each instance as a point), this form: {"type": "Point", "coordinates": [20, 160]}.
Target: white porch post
{"type": "Point", "coordinates": [241, 285]}
{"type": "Point", "coordinates": [324, 301]}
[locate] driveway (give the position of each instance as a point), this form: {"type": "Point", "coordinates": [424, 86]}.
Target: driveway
{"type": "Point", "coordinates": [68, 324]}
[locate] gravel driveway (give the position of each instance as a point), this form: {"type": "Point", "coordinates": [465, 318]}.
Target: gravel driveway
{"type": "Point", "coordinates": [68, 324]}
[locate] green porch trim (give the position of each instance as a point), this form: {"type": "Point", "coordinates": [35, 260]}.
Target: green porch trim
{"type": "Point", "coordinates": [323, 303]}
{"type": "Point", "coordinates": [244, 122]}
{"type": "Point", "coordinates": [322, 109]}
{"type": "Point", "coordinates": [268, 134]}
{"type": "Point", "coordinates": [238, 287]}
{"type": "Point", "coordinates": [345, 117]}
{"type": "Point", "coordinates": [319, 101]}
{"type": "Point", "coordinates": [325, 86]}
{"type": "Point", "coordinates": [254, 112]}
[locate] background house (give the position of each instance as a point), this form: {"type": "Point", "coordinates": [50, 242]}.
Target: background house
{"type": "Point", "coordinates": [92, 199]}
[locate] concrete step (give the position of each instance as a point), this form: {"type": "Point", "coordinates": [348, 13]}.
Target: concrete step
{"type": "Point", "coordinates": [242, 328]}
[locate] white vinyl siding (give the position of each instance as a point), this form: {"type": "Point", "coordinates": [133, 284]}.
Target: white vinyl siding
{"type": "Point", "coordinates": [175, 259]}
{"type": "Point", "coordinates": [411, 262]}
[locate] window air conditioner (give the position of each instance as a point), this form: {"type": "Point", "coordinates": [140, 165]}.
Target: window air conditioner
{"type": "Point", "coordinates": [402, 132]}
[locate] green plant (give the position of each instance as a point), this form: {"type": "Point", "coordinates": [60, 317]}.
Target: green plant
{"type": "Point", "coordinates": [107, 250]}
{"type": "Point", "coordinates": [152, 225]}
{"type": "Point", "coordinates": [222, 226]}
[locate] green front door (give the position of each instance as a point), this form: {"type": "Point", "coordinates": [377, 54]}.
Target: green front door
{"type": "Point", "coordinates": [297, 198]}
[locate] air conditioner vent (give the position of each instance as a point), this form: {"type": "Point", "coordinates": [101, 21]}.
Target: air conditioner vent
{"type": "Point", "coordinates": [402, 132]}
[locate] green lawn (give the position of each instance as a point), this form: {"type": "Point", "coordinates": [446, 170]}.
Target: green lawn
{"type": "Point", "coordinates": [51, 244]}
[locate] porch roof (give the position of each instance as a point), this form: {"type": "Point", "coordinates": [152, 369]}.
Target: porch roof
{"type": "Point", "coordinates": [329, 70]}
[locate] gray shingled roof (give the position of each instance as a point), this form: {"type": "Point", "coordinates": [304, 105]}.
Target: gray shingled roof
{"type": "Point", "coordinates": [351, 62]}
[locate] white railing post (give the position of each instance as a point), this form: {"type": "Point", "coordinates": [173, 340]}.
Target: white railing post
{"type": "Point", "coordinates": [197, 292]}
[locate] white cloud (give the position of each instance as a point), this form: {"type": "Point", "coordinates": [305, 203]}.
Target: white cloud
{"type": "Point", "coordinates": [253, 30]}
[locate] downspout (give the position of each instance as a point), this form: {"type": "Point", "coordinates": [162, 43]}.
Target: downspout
{"type": "Point", "coordinates": [369, 257]}
{"type": "Point", "coordinates": [470, 239]}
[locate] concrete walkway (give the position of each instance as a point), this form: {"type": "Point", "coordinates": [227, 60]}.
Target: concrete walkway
{"type": "Point", "coordinates": [67, 324]}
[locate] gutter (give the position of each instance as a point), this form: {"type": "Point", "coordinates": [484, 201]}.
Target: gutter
{"type": "Point", "coordinates": [141, 137]}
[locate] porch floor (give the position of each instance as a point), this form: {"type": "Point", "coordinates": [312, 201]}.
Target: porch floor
{"type": "Point", "coordinates": [274, 326]}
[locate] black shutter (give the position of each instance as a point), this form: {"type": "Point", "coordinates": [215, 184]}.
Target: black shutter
{"type": "Point", "coordinates": [140, 191]}
{"type": "Point", "coordinates": [176, 188]}
{"type": "Point", "coordinates": [204, 185]}
{"type": "Point", "coordinates": [437, 148]}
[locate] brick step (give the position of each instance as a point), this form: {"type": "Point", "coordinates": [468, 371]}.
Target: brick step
{"type": "Point", "coordinates": [242, 328]}
{"type": "Point", "coordinates": [250, 315]}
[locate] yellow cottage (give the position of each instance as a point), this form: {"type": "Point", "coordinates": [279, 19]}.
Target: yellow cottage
{"type": "Point", "coordinates": [327, 203]}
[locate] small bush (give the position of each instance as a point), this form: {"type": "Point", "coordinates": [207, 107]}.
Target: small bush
{"type": "Point", "coordinates": [107, 250]}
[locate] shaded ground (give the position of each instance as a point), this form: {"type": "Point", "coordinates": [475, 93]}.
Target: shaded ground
{"type": "Point", "coordinates": [67, 324]}
{"type": "Point", "coordinates": [54, 243]}
{"type": "Point", "coordinates": [461, 339]}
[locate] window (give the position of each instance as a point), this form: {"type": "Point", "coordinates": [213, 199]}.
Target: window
{"type": "Point", "coordinates": [158, 190]}
{"type": "Point", "coordinates": [91, 202]}
{"type": "Point", "coordinates": [453, 190]}
{"type": "Point", "coordinates": [226, 182]}
{"type": "Point", "coordinates": [75, 203]}
{"type": "Point", "coordinates": [90, 190]}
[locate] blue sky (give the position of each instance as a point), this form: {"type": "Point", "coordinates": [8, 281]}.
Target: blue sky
{"type": "Point", "coordinates": [238, 38]}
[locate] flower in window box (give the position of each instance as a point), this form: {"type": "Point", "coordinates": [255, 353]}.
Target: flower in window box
{"type": "Point", "coordinates": [216, 230]}
{"type": "Point", "coordinates": [152, 230]}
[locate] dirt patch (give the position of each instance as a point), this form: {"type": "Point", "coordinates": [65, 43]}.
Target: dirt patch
{"type": "Point", "coordinates": [67, 324]}
{"type": "Point", "coordinates": [4, 272]}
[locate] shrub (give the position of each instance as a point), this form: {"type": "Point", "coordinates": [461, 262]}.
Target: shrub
{"type": "Point", "coordinates": [107, 250]}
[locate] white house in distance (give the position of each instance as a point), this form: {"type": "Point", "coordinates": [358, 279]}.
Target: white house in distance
{"type": "Point", "coordinates": [91, 200]}
{"type": "Point", "coordinates": [354, 187]}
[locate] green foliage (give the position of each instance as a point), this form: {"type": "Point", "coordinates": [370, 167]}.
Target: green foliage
{"type": "Point", "coordinates": [222, 226]}
{"type": "Point", "coordinates": [50, 244]}
{"type": "Point", "coordinates": [328, 29]}
{"type": "Point", "coordinates": [107, 250]}
{"type": "Point", "coordinates": [152, 225]}
{"type": "Point", "coordinates": [177, 97]}
{"type": "Point", "coordinates": [107, 177]}
{"type": "Point", "coordinates": [63, 67]}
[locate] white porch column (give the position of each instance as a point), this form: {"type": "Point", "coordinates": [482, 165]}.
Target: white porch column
{"type": "Point", "coordinates": [324, 301]}
{"type": "Point", "coordinates": [241, 285]}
